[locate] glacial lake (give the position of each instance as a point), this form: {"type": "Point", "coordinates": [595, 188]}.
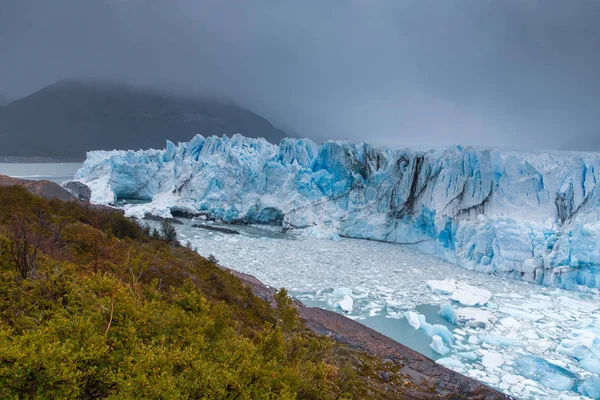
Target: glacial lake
{"type": "Point", "coordinates": [520, 351]}
{"type": "Point", "coordinates": [55, 172]}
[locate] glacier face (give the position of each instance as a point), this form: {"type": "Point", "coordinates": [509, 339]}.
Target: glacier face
{"type": "Point", "coordinates": [531, 216]}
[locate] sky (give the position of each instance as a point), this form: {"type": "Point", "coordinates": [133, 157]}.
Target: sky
{"type": "Point", "coordinates": [503, 73]}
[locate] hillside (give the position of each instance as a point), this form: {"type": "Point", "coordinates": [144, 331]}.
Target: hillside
{"type": "Point", "coordinates": [95, 306]}
{"type": "Point", "coordinates": [70, 117]}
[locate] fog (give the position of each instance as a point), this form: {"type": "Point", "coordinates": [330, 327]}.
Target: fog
{"type": "Point", "coordinates": [510, 73]}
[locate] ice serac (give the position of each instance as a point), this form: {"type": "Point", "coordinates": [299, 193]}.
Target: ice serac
{"type": "Point", "coordinates": [531, 216]}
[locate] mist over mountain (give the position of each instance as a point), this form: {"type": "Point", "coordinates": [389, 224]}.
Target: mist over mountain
{"type": "Point", "coordinates": [3, 101]}
{"type": "Point", "coordinates": [70, 117]}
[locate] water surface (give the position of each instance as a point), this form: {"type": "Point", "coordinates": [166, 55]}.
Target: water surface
{"type": "Point", "coordinates": [55, 172]}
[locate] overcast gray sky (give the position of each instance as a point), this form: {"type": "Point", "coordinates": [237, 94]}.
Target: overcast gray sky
{"type": "Point", "coordinates": [510, 73]}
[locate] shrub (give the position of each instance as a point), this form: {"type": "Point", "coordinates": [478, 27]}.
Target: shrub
{"type": "Point", "coordinates": [168, 231]}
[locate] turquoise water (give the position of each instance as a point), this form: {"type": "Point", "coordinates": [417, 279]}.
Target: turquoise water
{"type": "Point", "coordinates": [399, 329]}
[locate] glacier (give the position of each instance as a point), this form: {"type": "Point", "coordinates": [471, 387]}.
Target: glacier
{"type": "Point", "coordinates": [531, 216]}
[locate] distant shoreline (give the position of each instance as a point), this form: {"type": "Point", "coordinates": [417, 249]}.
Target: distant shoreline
{"type": "Point", "coordinates": [38, 160]}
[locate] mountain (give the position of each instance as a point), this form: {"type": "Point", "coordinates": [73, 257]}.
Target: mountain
{"type": "Point", "coordinates": [3, 101]}
{"type": "Point", "coordinates": [70, 117]}
{"type": "Point", "coordinates": [531, 216]}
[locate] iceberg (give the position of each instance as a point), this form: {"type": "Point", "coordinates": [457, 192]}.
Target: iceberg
{"type": "Point", "coordinates": [584, 345]}
{"type": "Point", "coordinates": [448, 313]}
{"type": "Point", "coordinates": [438, 346]}
{"type": "Point", "coordinates": [462, 293]}
{"type": "Point", "coordinates": [590, 387]}
{"type": "Point", "coordinates": [475, 317]}
{"type": "Point", "coordinates": [492, 360]}
{"type": "Point", "coordinates": [526, 215]}
{"type": "Point", "coordinates": [549, 375]}
{"type": "Point", "coordinates": [413, 319]}
{"type": "Point", "coordinates": [435, 330]}
{"type": "Point", "coordinates": [346, 304]}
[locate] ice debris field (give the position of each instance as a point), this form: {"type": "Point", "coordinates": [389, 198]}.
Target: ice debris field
{"type": "Point", "coordinates": [527, 340]}
{"type": "Point", "coordinates": [522, 226]}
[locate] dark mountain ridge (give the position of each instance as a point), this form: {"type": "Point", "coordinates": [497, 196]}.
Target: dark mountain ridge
{"type": "Point", "coordinates": [3, 101]}
{"type": "Point", "coordinates": [70, 117]}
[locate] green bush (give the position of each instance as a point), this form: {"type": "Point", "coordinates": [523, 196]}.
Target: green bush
{"type": "Point", "coordinates": [112, 313]}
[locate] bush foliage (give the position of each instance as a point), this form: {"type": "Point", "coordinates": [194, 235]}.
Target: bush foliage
{"type": "Point", "coordinates": [98, 307]}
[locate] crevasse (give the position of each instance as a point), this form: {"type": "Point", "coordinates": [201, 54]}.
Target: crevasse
{"type": "Point", "coordinates": [529, 215]}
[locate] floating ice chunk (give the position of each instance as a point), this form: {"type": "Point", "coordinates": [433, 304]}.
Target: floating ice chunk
{"type": "Point", "coordinates": [492, 360]}
{"type": "Point", "coordinates": [436, 329]}
{"type": "Point", "coordinates": [452, 363]}
{"type": "Point", "coordinates": [590, 387]}
{"type": "Point", "coordinates": [521, 314]}
{"type": "Point", "coordinates": [475, 317]}
{"type": "Point", "coordinates": [468, 295]}
{"type": "Point", "coordinates": [536, 305]}
{"type": "Point", "coordinates": [549, 375]}
{"type": "Point", "coordinates": [568, 302]}
{"type": "Point", "coordinates": [346, 304]}
{"type": "Point", "coordinates": [591, 364]}
{"type": "Point", "coordinates": [461, 292]}
{"type": "Point", "coordinates": [469, 355]}
{"type": "Point", "coordinates": [577, 344]}
{"type": "Point", "coordinates": [512, 379]}
{"type": "Point", "coordinates": [510, 323]}
{"type": "Point", "coordinates": [495, 340]}
{"type": "Point", "coordinates": [413, 319]}
{"type": "Point", "coordinates": [447, 312]}
{"type": "Point", "coordinates": [438, 346]}
{"type": "Point", "coordinates": [341, 292]}
{"type": "Point", "coordinates": [445, 287]}
{"type": "Point", "coordinates": [473, 340]}
{"type": "Point", "coordinates": [510, 295]}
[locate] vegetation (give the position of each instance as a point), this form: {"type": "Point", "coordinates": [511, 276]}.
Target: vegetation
{"type": "Point", "coordinates": [168, 232]}
{"type": "Point", "coordinates": [94, 306]}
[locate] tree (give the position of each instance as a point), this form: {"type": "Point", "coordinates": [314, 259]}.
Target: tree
{"type": "Point", "coordinates": [168, 231]}
{"type": "Point", "coordinates": [286, 313]}
{"type": "Point", "coordinates": [94, 243]}
{"type": "Point", "coordinates": [24, 242]}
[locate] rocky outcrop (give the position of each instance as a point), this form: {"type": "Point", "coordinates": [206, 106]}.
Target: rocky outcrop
{"type": "Point", "coordinates": [79, 190]}
{"type": "Point", "coordinates": [435, 381]}
{"type": "Point", "coordinates": [152, 217]}
{"type": "Point", "coordinates": [46, 189]}
{"type": "Point", "coordinates": [216, 229]}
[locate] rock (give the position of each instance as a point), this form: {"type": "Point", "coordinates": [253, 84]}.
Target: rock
{"type": "Point", "coordinates": [157, 218]}
{"type": "Point", "coordinates": [185, 214]}
{"type": "Point", "coordinates": [46, 189]}
{"type": "Point", "coordinates": [216, 229]}
{"type": "Point", "coordinates": [79, 190]}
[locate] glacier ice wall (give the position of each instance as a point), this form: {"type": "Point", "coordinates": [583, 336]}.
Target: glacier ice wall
{"type": "Point", "coordinates": [531, 216]}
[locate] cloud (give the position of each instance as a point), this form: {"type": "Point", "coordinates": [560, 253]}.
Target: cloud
{"type": "Point", "coordinates": [411, 73]}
